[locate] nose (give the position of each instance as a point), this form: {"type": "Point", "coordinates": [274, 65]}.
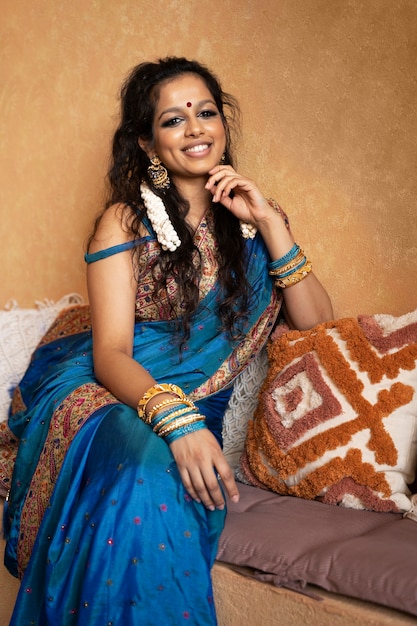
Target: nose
{"type": "Point", "coordinates": [194, 127]}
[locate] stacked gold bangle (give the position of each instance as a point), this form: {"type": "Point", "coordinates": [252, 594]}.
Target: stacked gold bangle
{"type": "Point", "coordinates": [283, 269]}
{"type": "Point", "coordinates": [152, 414]}
{"type": "Point", "coordinates": [171, 418]}
{"type": "Point", "coordinates": [168, 417]}
{"type": "Point", "coordinates": [180, 423]}
{"type": "Point", "coordinates": [155, 391]}
{"type": "Point", "coordinates": [291, 268]}
{"type": "Point", "coordinates": [295, 277]}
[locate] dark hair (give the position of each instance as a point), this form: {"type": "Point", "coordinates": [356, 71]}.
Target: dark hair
{"type": "Point", "coordinates": [129, 167]}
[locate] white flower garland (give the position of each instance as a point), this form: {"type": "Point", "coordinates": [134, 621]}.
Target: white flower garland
{"type": "Point", "coordinates": [158, 216]}
{"type": "Point", "coordinates": [248, 230]}
{"type": "Point", "coordinates": [162, 225]}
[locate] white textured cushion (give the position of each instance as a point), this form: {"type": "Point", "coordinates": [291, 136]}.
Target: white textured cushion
{"type": "Point", "coordinates": [242, 405]}
{"type": "Point", "coordinates": [20, 332]}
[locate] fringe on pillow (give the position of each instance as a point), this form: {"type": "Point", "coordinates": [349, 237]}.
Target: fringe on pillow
{"type": "Point", "coordinates": [67, 300]}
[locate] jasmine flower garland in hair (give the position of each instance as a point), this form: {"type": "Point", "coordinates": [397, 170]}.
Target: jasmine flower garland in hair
{"type": "Point", "coordinates": [158, 216]}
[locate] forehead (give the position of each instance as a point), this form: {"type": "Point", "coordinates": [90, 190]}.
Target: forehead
{"type": "Point", "coordinates": [178, 91]}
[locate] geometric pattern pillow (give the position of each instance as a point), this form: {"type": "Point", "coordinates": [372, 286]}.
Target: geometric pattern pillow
{"type": "Point", "coordinates": [337, 414]}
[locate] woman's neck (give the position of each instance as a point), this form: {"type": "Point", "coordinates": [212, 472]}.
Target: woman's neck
{"type": "Point", "coordinates": [199, 200]}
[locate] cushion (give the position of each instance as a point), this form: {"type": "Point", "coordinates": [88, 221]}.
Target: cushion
{"type": "Point", "coordinates": [336, 418]}
{"type": "Point", "coordinates": [20, 332]}
{"type": "Point", "coordinates": [241, 407]}
{"type": "Point", "coordinates": [292, 542]}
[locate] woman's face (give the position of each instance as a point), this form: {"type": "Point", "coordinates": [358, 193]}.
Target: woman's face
{"type": "Point", "coordinates": [189, 135]}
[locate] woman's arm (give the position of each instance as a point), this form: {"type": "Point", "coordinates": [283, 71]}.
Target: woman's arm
{"type": "Point", "coordinates": [305, 303]}
{"type": "Point", "coordinates": [112, 291]}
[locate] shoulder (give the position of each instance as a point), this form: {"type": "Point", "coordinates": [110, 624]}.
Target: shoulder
{"type": "Point", "coordinates": [114, 227]}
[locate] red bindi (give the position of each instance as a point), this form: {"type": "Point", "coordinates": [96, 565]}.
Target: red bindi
{"type": "Point", "coordinates": [189, 104]}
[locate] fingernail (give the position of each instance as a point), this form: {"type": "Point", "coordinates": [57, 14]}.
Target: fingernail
{"type": "Point", "coordinates": [211, 507]}
{"type": "Point", "coordinates": [235, 499]}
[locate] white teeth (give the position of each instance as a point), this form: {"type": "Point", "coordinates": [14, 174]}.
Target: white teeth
{"type": "Point", "coordinates": [199, 148]}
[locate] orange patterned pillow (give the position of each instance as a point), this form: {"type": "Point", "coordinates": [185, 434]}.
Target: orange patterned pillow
{"type": "Point", "coordinates": [337, 414]}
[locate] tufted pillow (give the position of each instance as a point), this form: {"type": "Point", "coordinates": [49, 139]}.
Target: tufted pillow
{"type": "Point", "coordinates": [337, 414]}
{"type": "Point", "coordinates": [20, 332]}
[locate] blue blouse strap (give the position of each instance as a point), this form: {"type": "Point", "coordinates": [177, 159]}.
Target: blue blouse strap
{"type": "Point", "coordinates": [121, 247]}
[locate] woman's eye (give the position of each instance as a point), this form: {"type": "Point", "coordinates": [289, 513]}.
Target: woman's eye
{"type": "Point", "coordinates": [172, 122]}
{"type": "Point", "coordinates": [208, 113]}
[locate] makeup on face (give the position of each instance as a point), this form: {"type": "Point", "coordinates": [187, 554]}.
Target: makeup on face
{"type": "Point", "coordinates": [189, 134]}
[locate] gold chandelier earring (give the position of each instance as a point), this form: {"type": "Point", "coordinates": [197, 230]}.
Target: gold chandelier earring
{"type": "Point", "coordinates": [158, 174]}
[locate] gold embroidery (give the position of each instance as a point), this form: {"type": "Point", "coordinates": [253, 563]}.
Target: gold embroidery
{"type": "Point", "coordinates": [69, 322]}
{"type": "Point", "coordinates": [168, 306]}
{"type": "Point", "coordinates": [66, 421]}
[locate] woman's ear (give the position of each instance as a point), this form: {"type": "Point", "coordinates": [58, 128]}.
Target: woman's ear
{"type": "Point", "coordinates": [147, 147]}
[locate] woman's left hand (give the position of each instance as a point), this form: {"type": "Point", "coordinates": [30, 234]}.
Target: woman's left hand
{"type": "Point", "coordinates": [238, 194]}
{"type": "Point", "coordinates": [201, 462]}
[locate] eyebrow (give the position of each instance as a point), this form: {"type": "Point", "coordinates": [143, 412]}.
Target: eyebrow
{"type": "Point", "coordinates": [178, 109]}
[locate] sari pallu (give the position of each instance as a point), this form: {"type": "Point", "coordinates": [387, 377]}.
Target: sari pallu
{"type": "Point", "coordinates": [76, 436]}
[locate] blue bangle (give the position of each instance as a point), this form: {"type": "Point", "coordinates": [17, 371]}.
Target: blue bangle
{"type": "Point", "coordinates": [291, 254]}
{"type": "Point", "coordinates": [185, 430]}
{"type": "Point", "coordinates": [294, 269]}
{"type": "Point", "coordinates": [156, 422]}
{"type": "Point", "coordinates": [161, 414]}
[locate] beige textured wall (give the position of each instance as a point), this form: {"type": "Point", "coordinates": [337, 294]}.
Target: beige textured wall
{"type": "Point", "coordinates": [328, 92]}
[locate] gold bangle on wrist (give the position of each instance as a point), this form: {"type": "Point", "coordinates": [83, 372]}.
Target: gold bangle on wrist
{"type": "Point", "coordinates": [149, 416]}
{"type": "Point", "coordinates": [295, 277]}
{"type": "Point", "coordinates": [180, 422]}
{"type": "Point", "coordinates": [189, 405]}
{"type": "Point", "coordinates": [175, 415]}
{"type": "Point", "coordinates": [154, 391]}
{"type": "Point", "coordinates": [288, 266]}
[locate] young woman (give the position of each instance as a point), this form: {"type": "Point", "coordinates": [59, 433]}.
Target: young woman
{"type": "Point", "coordinates": [118, 493]}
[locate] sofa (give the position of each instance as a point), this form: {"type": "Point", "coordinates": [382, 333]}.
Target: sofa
{"type": "Point", "coordinates": [322, 435]}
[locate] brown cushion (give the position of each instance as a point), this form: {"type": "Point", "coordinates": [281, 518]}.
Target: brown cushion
{"type": "Point", "coordinates": [336, 418]}
{"type": "Point", "coordinates": [293, 542]}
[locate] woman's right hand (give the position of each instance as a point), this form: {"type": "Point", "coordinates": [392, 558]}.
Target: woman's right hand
{"type": "Point", "coordinates": [201, 464]}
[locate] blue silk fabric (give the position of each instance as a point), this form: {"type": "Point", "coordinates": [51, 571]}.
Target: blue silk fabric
{"type": "Point", "coordinates": [121, 542]}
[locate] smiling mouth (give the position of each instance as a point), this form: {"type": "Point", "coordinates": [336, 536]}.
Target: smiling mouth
{"type": "Point", "coordinates": [200, 148]}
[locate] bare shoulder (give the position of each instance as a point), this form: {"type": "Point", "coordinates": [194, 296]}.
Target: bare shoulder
{"type": "Point", "coordinates": [114, 227]}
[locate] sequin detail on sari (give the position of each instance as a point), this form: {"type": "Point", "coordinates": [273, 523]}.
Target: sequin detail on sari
{"type": "Point", "coordinates": [67, 420]}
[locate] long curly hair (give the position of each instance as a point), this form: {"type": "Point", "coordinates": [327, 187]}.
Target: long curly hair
{"type": "Point", "coordinates": [129, 167]}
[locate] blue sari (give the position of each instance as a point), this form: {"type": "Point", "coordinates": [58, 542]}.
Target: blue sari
{"type": "Point", "coordinates": [101, 529]}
